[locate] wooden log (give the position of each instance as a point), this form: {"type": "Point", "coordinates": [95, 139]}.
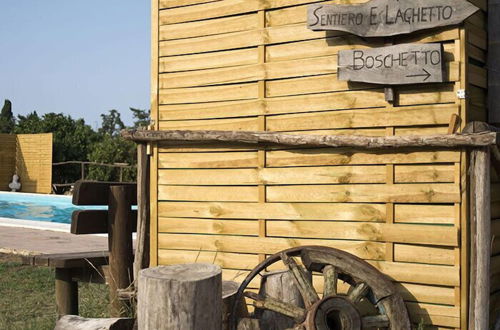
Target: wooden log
{"type": "Point", "coordinates": [141, 258]}
{"type": "Point", "coordinates": [120, 220]}
{"type": "Point", "coordinates": [351, 141]}
{"type": "Point", "coordinates": [229, 290]}
{"type": "Point", "coordinates": [481, 222]}
{"type": "Point", "coordinates": [73, 322]}
{"type": "Point", "coordinates": [279, 285]}
{"type": "Point", "coordinates": [185, 296]}
{"type": "Point", "coordinates": [66, 292]}
{"type": "Point", "coordinates": [248, 324]}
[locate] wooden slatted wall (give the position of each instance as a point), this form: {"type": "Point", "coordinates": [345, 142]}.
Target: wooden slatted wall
{"type": "Point", "coordinates": [253, 65]}
{"type": "Point", "coordinates": [7, 159]}
{"type": "Point", "coordinates": [34, 162]}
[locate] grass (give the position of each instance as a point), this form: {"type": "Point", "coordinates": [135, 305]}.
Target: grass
{"type": "Point", "coordinates": [27, 299]}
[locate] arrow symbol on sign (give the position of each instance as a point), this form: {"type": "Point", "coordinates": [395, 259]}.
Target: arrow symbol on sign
{"type": "Point", "coordinates": [427, 75]}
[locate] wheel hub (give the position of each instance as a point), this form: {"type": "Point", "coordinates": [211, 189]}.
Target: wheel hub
{"type": "Point", "coordinates": [333, 313]}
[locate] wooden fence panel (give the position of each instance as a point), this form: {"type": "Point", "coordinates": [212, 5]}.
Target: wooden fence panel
{"type": "Point", "coordinates": [34, 162]}
{"type": "Point", "coordinates": [7, 159]}
{"type": "Point", "coordinates": [254, 65]}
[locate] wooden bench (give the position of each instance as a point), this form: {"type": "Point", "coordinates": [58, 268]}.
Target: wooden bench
{"type": "Point", "coordinates": [71, 268]}
{"type": "Point", "coordinates": [119, 222]}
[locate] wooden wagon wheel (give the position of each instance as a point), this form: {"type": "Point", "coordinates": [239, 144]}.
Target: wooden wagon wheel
{"type": "Point", "coordinates": [332, 310]}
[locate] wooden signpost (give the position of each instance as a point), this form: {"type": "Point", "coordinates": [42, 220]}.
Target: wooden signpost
{"type": "Point", "coordinates": [380, 18]}
{"type": "Point", "coordinates": [394, 65]}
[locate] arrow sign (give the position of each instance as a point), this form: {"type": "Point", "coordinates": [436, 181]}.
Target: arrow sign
{"type": "Point", "coordinates": [381, 18]}
{"type": "Point", "coordinates": [394, 65]}
{"type": "Point", "coordinates": [426, 75]}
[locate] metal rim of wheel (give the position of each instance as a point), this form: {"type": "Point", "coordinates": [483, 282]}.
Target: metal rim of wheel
{"type": "Point", "coordinates": [332, 310]}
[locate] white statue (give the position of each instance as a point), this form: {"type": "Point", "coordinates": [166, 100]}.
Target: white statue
{"type": "Point", "coordinates": [15, 185]}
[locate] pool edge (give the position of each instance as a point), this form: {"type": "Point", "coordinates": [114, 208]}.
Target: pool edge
{"type": "Point", "coordinates": [31, 224]}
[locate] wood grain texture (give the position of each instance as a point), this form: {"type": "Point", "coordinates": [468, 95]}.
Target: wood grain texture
{"type": "Point", "coordinates": [365, 142]}
{"type": "Point", "coordinates": [265, 245]}
{"type": "Point", "coordinates": [375, 19]}
{"type": "Point", "coordinates": [404, 64]}
{"type": "Point", "coordinates": [291, 211]}
{"type": "Point", "coordinates": [8, 163]}
{"type": "Point", "coordinates": [432, 235]}
{"type": "Point", "coordinates": [34, 162]}
{"type": "Point", "coordinates": [195, 289]}
{"type": "Point", "coordinates": [248, 65]}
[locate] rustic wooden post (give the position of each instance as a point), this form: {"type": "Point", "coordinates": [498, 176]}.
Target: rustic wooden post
{"type": "Point", "coordinates": [74, 322]}
{"type": "Point", "coordinates": [481, 229]}
{"type": "Point", "coordinates": [82, 166]}
{"type": "Point", "coordinates": [120, 245]}
{"type": "Point", "coordinates": [229, 291]}
{"type": "Point", "coordinates": [185, 296]}
{"type": "Point", "coordinates": [281, 286]}
{"type": "Point", "coordinates": [141, 259]}
{"type": "Point", "coordinates": [66, 293]}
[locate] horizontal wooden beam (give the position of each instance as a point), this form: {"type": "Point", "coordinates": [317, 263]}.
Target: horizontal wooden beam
{"type": "Point", "coordinates": [96, 192]}
{"type": "Point", "coordinates": [94, 222]}
{"type": "Point", "coordinates": [349, 141]}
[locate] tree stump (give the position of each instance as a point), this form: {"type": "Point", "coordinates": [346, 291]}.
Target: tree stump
{"type": "Point", "coordinates": [180, 297]}
{"type": "Point", "coordinates": [279, 285]}
{"type": "Point", "coordinates": [73, 322]}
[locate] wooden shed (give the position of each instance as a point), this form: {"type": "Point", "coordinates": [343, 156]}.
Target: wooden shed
{"type": "Point", "coordinates": [253, 65]}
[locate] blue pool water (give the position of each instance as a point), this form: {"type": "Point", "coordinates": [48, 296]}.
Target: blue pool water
{"type": "Point", "coordinates": [48, 208]}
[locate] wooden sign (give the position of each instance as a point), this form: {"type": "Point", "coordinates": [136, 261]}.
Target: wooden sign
{"type": "Point", "coordinates": [380, 18]}
{"type": "Point", "coordinates": [394, 65]}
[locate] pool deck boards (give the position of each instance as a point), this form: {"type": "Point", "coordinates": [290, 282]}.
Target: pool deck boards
{"type": "Point", "coordinates": [28, 241]}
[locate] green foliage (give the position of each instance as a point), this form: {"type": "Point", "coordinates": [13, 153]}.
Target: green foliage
{"type": "Point", "coordinates": [112, 123]}
{"type": "Point", "coordinates": [76, 141]}
{"type": "Point", "coordinates": [141, 117]}
{"type": "Point", "coordinates": [73, 140]}
{"type": "Point", "coordinates": [110, 150]}
{"type": "Point", "coordinates": [7, 121]}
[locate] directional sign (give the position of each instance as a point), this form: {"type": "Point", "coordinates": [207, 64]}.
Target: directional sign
{"type": "Point", "coordinates": [380, 18]}
{"type": "Point", "coordinates": [394, 65]}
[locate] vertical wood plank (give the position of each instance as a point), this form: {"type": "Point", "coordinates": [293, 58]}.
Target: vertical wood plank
{"type": "Point", "coordinates": [155, 117]}
{"type": "Point", "coordinates": [482, 221]}
{"type": "Point", "coordinates": [261, 16]}
{"type": "Point", "coordinates": [390, 206]}
{"type": "Point", "coordinates": [141, 258]}
{"type": "Point", "coordinates": [494, 60]}
{"type": "Point", "coordinates": [460, 48]}
{"type": "Point", "coordinates": [153, 212]}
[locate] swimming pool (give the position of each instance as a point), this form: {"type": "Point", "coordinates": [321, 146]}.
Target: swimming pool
{"type": "Point", "coordinates": [47, 208]}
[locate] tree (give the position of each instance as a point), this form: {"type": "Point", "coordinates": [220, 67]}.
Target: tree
{"type": "Point", "coordinates": [112, 123]}
{"type": "Point", "coordinates": [73, 140]}
{"type": "Point", "coordinates": [7, 121]}
{"type": "Point", "coordinates": [142, 117]}
{"type": "Point", "coordinates": [111, 150]}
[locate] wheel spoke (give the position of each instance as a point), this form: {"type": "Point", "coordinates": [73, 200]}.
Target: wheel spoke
{"type": "Point", "coordinates": [330, 279]}
{"type": "Point", "coordinates": [378, 321]}
{"type": "Point", "coordinates": [295, 312]}
{"type": "Point", "coordinates": [359, 291]}
{"type": "Point", "coordinates": [305, 287]}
